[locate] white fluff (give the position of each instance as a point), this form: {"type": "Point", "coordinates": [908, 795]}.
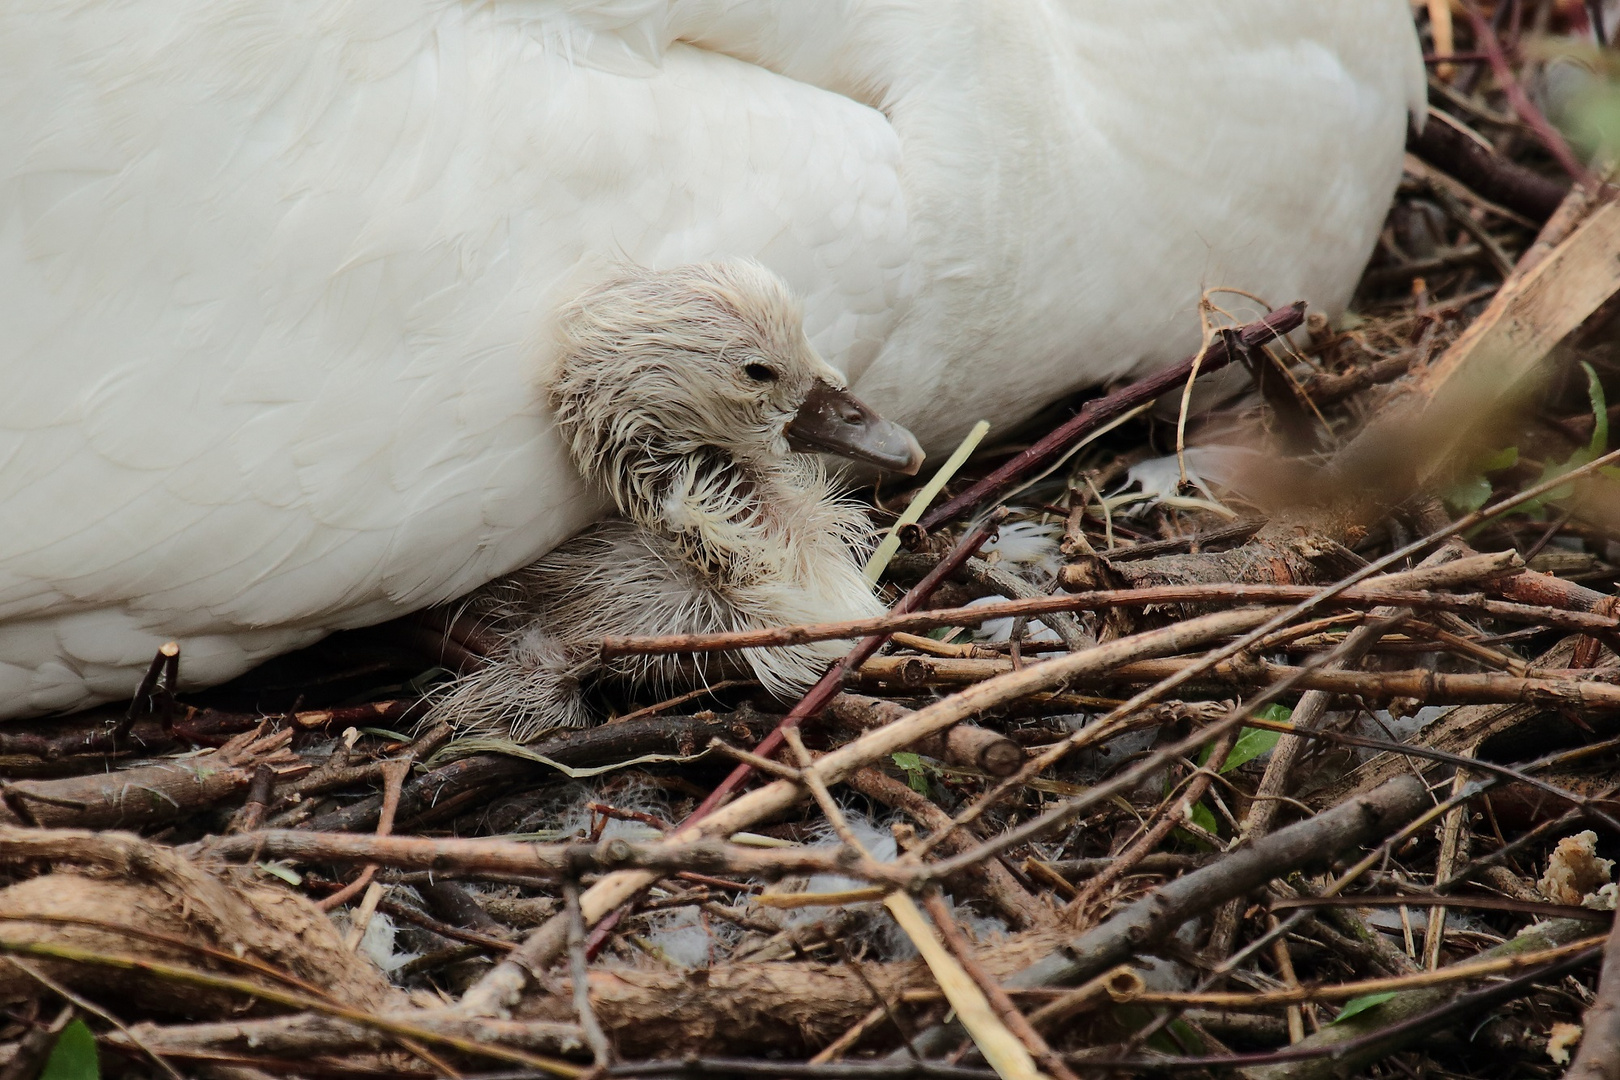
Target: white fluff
{"type": "Point", "coordinates": [998, 630]}
{"type": "Point", "coordinates": [721, 525]}
{"type": "Point", "coordinates": [1028, 547]}
{"type": "Point", "coordinates": [1159, 479]}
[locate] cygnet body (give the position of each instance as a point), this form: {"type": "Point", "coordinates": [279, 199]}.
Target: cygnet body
{"type": "Point", "coordinates": [685, 395]}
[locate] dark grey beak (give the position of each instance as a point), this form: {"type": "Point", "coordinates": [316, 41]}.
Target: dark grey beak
{"type": "Point", "coordinates": [834, 421]}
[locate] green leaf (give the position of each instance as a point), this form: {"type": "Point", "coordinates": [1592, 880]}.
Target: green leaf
{"type": "Point", "coordinates": [1592, 450]}
{"type": "Point", "coordinates": [916, 772]}
{"type": "Point", "coordinates": [1361, 1004]}
{"type": "Point", "coordinates": [1600, 414]}
{"type": "Point", "coordinates": [1470, 493]}
{"type": "Point", "coordinates": [1166, 1042]}
{"type": "Point", "coordinates": [1251, 743]}
{"type": "Point", "coordinates": [1204, 818]}
{"type": "Point", "coordinates": [1466, 496]}
{"type": "Point", "coordinates": [74, 1055]}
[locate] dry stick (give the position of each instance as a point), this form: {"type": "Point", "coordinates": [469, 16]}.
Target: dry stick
{"type": "Point", "coordinates": [1419, 684]}
{"type": "Point", "coordinates": [1451, 844]}
{"type": "Point", "coordinates": [304, 1035]}
{"type": "Point", "coordinates": [195, 977]}
{"type": "Point", "coordinates": [1313, 705]}
{"type": "Point", "coordinates": [1452, 149]}
{"type": "Point", "coordinates": [260, 791]}
{"type": "Point", "coordinates": [1599, 1055]}
{"type": "Point", "coordinates": [394, 778]}
{"type": "Point", "coordinates": [1109, 986]}
{"type": "Point", "coordinates": [957, 942]}
{"type": "Point", "coordinates": [1407, 588]}
{"type": "Point", "coordinates": [817, 697]}
{"type": "Point", "coordinates": [706, 1068]}
{"type": "Point", "coordinates": [1285, 968]}
{"type": "Point", "coordinates": [1164, 820]}
{"type": "Point", "coordinates": [1296, 995]}
{"type": "Point", "coordinates": [470, 856]}
{"type": "Point", "coordinates": [394, 774]}
{"type": "Point", "coordinates": [1008, 1053]}
{"type": "Point", "coordinates": [1545, 132]}
{"type": "Point", "coordinates": [595, 1037]}
{"type": "Point", "coordinates": [1233, 344]}
{"type": "Point", "coordinates": [147, 794]}
{"type": "Point", "coordinates": [503, 984]}
{"type": "Point", "coordinates": [1158, 914]}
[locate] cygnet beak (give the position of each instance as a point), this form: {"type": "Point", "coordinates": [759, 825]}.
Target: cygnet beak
{"type": "Point", "coordinates": [835, 421]}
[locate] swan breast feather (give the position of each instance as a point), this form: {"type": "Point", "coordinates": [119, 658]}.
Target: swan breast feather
{"type": "Point", "coordinates": [277, 280]}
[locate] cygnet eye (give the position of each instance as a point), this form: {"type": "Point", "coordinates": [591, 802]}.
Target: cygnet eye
{"type": "Point", "coordinates": [760, 373]}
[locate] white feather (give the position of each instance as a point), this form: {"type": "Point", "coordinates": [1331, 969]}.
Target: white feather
{"type": "Point", "coordinates": [278, 276]}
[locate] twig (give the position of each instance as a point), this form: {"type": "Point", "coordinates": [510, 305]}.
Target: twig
{"type": "Point", "coordinates": [957, 942]}
{"type": "Point", "coordinates": [1496, 964]}
{"type": "Point", "coordinates": [1446, 145]}
{"type": "Point", "coordinates": [1234, 344]}
{"type": "Point", "coordinates": [76, 1001]}
{"type": "Point", "coordinates": [1599, 1055]}
{"type": "Point", "coordinates": [545, 861]}
{"type": "Point", "coordinates": [1522, 106]}
{"type": "Point", "coordinates": [1377, 593]}
{"type": "Point", "coordinates": [194, 977]}
{"type": "Point", "coordinates": [595, 1038]}
{"type": "Point", "coordinates": [394, 779]}
{"type": "Point", "coordinates": [260, 789]}
{"type": "Point", "coordinates": [702, 1067]}
{"type": "Point", "coordinates": [1169, 814]}
{"type": "Point", "coordinates": [1006, 1049]}
{"type": "Point", "coordinates": [1162, 911]}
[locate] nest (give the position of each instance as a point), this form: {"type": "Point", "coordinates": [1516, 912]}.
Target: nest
{"type": "Point", "coordinates": [1290, 755]}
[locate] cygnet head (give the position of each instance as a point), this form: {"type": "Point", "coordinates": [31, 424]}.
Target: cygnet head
{"type": "Point", "coordinates": [709, 358]}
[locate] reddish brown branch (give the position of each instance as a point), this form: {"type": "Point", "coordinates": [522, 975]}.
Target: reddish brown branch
{"type": "Point", "coordinates": [1230, 345]}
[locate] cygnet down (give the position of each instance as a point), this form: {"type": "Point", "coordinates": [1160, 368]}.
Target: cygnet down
{"type": "Point", "coordinates": [690, 397]}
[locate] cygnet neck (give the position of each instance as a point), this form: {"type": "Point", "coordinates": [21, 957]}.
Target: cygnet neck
{"type": "Point", "coordinates": [731, 518]}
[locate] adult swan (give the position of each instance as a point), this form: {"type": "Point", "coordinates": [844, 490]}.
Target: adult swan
{"type": "Point", "coordinates": [277, 277]}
